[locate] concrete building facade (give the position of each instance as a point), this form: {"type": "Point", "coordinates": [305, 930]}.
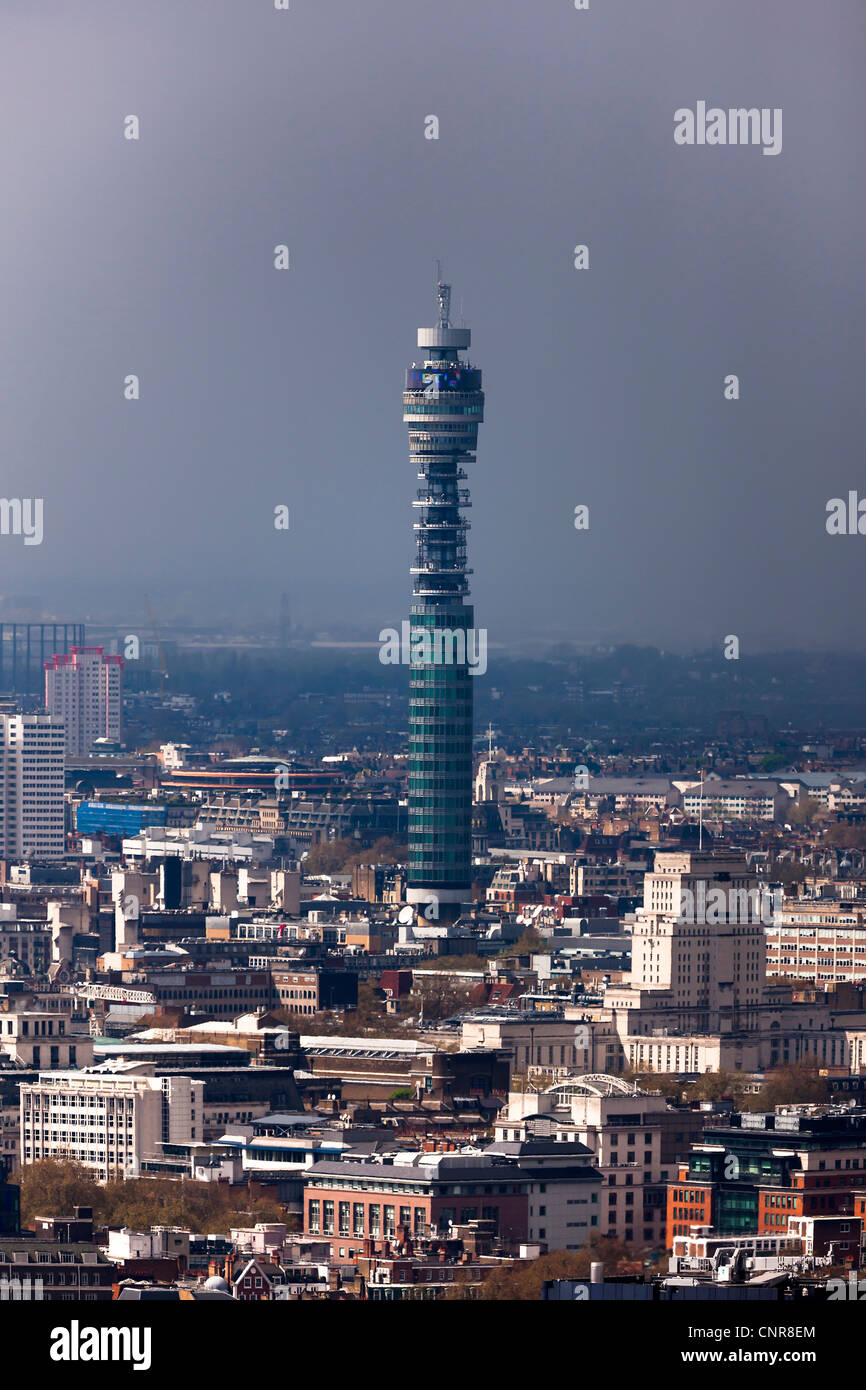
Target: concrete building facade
{"type": "Point", "coordinates": [31, 787]}
{"type": "Point", "coordinates": [84, 689]}
{"type": "Point", "coordinates": [111, 1124]}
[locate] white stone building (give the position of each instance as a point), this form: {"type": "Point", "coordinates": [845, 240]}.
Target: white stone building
{"type": "Point", "coordinates": [112, 1124]}
{"type": "Point", "coordinates": [31, 787]}
{"type": "Point", "coordinates": [84, 688]}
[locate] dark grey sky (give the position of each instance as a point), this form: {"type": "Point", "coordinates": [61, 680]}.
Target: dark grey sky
{"type": "Point", "coordinates": [603, 387]}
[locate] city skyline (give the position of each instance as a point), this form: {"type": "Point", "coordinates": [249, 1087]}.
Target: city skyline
{"type": "Point", "coordinates": [440, 885]}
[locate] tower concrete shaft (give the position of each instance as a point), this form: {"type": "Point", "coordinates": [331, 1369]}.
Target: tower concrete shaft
{"type": "Point", "coordinates": [443, 405]}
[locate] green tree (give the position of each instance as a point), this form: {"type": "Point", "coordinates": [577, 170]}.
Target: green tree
{"type": "Point", "coordinates": [51, 1187]}
{"type": "Point", "coordinates": [800, 1083]}
{"type": "Point", "coordinates": [713, 1085]}
{"type": "Point", "coordinates": [523, 1282]}
{"type": "Point", "coordinates": [772, 762]}
{"type": "Point", "coordinates": [659, 1082]}
{"type": "Point", "coordinates": [442, 997]}
{"type": "Point", "coordinates": [529, 944]}
{"type": "Point", "coordinates": [385, 851]}
{"type": "Point", "coordinates": [329, 856]}
{"type": "Point", "coordinates": [803, 812]}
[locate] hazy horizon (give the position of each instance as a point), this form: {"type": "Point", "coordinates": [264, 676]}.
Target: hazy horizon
{"type": "Point", "coordinates": [604, 386]}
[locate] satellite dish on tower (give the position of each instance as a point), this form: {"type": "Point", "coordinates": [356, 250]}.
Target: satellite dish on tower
{"type": "Point", "coordinates": [406, 915]}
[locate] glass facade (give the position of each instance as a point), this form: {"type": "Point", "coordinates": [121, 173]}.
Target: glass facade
{"type": "Point", "coordinates": [115, 818]}
{"type": "Point", "coordinates": [443, 405]}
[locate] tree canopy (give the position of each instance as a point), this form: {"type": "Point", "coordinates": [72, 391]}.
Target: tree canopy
{"type": "Point", "coordinates": [523, 1282]}
{"type": "Point", "coordinates": [52, 1187]}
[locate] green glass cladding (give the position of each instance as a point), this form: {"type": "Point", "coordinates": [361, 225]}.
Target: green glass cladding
{"type": "Point", "coordinates": [443, 405]}
{"type": "Point", "coordinates": [440, 766]}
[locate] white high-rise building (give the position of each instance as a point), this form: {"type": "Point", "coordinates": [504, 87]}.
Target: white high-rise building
{"type": "Point", "coordinates": [31, 786]}
{"type": "Point", "coordinates": [700, 935]}
{"type": "Point", "coordinates": [112, 1124]}
{"type": "Point", "coordinates": [698, 968]}
{"type": "Point", "coordinates": [84, 688]}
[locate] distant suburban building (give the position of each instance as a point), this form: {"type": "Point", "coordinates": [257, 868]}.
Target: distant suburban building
{"type": "Point", "coordinates": [738, 799]}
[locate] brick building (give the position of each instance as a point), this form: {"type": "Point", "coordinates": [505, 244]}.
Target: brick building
{"type": "Point", "coordinates": [761, 1173]}
{"type": "Point", "coordinates": [537, 1190]}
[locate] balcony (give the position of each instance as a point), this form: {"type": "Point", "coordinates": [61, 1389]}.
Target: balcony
{"type": "Point", "coordinates": [434, 499]}
{"type": "Point", "coordinates": [455, 397]}
{"type": "Point", "coordinates": [452, 475]}
{"type": "Point", "coordinates": [456, 571]}
{"type": "Point", "coordinates": [455, 591]}
{"type": "Point", "coordinates": [445, 442]}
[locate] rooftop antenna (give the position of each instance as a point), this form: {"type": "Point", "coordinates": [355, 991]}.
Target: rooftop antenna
{"type": "Point", "coordinates": [443, 293]}
{"type": "Point", "coordinates": [489, 740]}
{"type": "Point", "coordinates": [701, 812]}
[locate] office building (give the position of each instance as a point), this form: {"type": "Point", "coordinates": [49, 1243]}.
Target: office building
{"type": "Point", "coordinates": [31, 786]}
{"type": "Point", "coordinates": [539, 1190]}
{"type": "Point", "coordinates": [112, 1124]}
{"type": "Point", "coordinates": [698, 956]}
{"type": "Point", "coordinates": [84, 688]}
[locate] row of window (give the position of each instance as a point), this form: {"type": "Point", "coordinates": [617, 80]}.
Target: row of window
{"type": "Point", "coordinates": [366, 1219]}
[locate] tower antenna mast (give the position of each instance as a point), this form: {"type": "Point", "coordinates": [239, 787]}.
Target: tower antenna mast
{"type": "Point", "coordinates": [443, 293]}
{"type": "Point", "coordinates": [701, 812]}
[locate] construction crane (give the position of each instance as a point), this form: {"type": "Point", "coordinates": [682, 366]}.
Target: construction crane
{"type": "Point", "coordinates": [158, 643]}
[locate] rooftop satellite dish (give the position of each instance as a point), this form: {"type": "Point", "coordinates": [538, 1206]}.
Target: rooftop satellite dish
{"type": "Point", "coordinates": [406, 915]}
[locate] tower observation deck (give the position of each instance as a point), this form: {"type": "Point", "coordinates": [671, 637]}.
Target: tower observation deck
{"type": "Point", "coordinates": [443, 405]}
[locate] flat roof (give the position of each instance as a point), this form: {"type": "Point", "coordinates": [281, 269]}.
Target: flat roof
{"type": "Point", "coordinates": [122, 1049]}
